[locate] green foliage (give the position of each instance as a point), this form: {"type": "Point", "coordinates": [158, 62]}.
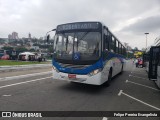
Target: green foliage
{"type": "Point", "coordinates": [7, 48]}
{"type": "Point", "coordinates": [130, 55]}
{"type": "Point", "coordinates": [21, 49]}
{"type": "Point", "coordinates": [8, 62]}
{"type": "Point", "coordinates": [135, 49]}
{"type": "Point", "coordinates": [50, 49]}
{"type": "Point", "coordinates": [32, 50]}
{"type": "Point", "coordinates": [2, 41]}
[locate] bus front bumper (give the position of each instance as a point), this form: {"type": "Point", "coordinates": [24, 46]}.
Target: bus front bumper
{"type": "Point", "coordinates": [86, 79]}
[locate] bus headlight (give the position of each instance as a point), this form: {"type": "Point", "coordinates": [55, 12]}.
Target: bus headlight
{"type": "Point", "coordinates": [94, 72]}
{"type": "Point", "coordinates": [54, 68]}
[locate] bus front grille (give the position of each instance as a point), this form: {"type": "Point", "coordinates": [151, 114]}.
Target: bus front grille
{"type": "Point", "coordinates": [73, 66]}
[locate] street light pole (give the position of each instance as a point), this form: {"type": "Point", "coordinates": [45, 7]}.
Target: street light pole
{"type": "Point", "coordinates": [146, 39]}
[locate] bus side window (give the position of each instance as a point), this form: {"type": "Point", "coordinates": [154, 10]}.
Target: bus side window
{"type": "Point", "coordinates": [117, 46]}
{"type": "Point", "coordinates": [120, 48]}
{"type": "Point", "coordinates": [159, 59]}
{"type": "Point", "coordinates": [106, 42]}
{"type": "Point", "coordinates": [112, 44]}
{"type": "Point", "coordinates": [110, 41]}
{"type": "Point", "coordinates": [125, 53]}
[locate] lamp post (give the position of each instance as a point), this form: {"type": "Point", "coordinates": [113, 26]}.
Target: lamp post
{"type": "Point", "coordinates": [146, 39]}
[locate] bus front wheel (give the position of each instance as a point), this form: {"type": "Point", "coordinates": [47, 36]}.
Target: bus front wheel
{"type": "Point", "coordinates": [107, 83]}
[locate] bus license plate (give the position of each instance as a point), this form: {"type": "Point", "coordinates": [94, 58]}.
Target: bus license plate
{"type": "Point", "coordinates": [71, 76]}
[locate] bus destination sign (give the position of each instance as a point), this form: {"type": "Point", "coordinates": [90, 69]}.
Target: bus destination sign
{"type": "Point", "coordinates": [78, 26]}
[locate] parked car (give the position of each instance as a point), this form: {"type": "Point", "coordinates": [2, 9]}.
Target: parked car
{"type": "Point", "coordinates": [27, 56]}
{"type": "Point", "coordinates": [4, 55]}
{"type": "Point", "coordinates": [40, 56]}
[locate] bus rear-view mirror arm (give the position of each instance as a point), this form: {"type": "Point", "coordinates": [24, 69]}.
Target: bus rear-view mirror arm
{"type": "Point", "coordinates": [48, 36]}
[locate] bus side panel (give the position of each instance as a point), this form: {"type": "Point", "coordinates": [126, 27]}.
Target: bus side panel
{"type": "Point", "coordinates": [105, 71]}
{"type": "Point", "coordinates": [158, 77]}
{"type": "Point", "coordinates": [116, 66]}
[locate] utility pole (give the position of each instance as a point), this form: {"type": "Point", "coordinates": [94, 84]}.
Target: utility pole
{"type": "Point", "coordinates": [146, 39]}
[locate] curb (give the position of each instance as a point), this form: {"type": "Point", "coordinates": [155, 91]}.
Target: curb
{"type": "Point", "coordinates": [22, 67]}
{"type": "Point", "coordinates": [24, 76]}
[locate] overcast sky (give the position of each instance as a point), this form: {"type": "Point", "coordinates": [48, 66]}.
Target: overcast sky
{"type": "Point", "coordinates": [127, 19]}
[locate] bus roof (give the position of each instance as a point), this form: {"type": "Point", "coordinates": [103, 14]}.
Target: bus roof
{"type": "Point", "coordinates": [84, 25]}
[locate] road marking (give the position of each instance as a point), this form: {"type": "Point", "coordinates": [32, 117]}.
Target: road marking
{"type": "Point", "coordinates": [121, 92]}
{"type": "Point", "coordinates": [24, 76]}
{"type": "Point", "coordinates": [142, 85]}
{"type": "Point", "coordinates": [24, 82]}
{"type": "Point", "coordinates": [6, 95]}
{"type": "Point", "coordinates": [137, 77]}
{"type": "Point", "coordinates": [104, 118]}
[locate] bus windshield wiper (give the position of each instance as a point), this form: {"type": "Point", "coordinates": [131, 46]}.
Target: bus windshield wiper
{"type": "Point", "coordinates": [85, 34]}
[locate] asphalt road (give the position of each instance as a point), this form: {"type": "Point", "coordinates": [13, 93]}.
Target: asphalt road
{"type": "Point", "coordinates": [129, 91]}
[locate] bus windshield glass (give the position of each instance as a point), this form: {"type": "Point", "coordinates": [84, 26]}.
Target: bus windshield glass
{"type": "Point", "coordinates": [77, 46]}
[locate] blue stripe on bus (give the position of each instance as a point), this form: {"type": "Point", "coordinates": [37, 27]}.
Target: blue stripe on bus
{"type": "Point", "coordinates": [87, 70]}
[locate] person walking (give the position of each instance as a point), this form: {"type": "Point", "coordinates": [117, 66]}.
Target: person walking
{"type": "Point", "coordinates": [136, 62]}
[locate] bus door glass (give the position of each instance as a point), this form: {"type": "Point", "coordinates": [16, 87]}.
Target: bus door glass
{"type": "Point", "coordinates": [153, 62]}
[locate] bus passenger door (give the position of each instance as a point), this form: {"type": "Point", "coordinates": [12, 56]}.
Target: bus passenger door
{"type": "Point", "coordinates": [153, 62]}
{"type": "Point", "coordinates": [105, 58]}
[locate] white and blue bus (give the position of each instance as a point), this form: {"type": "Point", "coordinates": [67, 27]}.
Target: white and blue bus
{"type": "Point", "coordinates": [86, 52]}
{"type": "Point", "coordinates": [152, 61]}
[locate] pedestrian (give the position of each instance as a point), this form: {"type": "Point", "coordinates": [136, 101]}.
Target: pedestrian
{"type": "Point", "coordinates": [136, 62]}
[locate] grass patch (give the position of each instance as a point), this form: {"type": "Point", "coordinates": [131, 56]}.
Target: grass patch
{"type": "Point", "coordinates": [9, 62]}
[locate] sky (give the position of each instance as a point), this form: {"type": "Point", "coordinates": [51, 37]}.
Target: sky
{"type": "Point", "coordinates": [127, 19]}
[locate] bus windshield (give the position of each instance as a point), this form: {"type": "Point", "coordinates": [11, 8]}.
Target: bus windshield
{"type": "Point", "coordinates": [78, 46]}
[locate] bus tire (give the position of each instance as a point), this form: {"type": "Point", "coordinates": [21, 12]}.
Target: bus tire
{"type": "Point", "coordinates": [107, 83]}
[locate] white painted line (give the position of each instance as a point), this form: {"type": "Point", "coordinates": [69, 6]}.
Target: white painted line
{"type": "Point", "coordinates": [137, 77]}
{"type": "Point", "coordinates": [24, 82]}
{"type": "Point", "coordinates": [6, 95]}
{"type": "Point", "coordinates": [24, 76]}
{"type": "Point", "coordinates": [139, 100]}
{"type": "Point", "coordinates": [142, 85]}
{"type": "Point", "coordinates": [105, 118]}
{"type": "Point", "coordinates": [120, 92]}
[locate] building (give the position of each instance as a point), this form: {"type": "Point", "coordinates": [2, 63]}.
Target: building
{"type": "Point", "coordinates": [34, 47]}
{"type": "Point", "coordinates": [9, 36]}
{"type": "Point", "coordinates": [29, 35]}
{"type": "Point", "coordinates": [14, 35]}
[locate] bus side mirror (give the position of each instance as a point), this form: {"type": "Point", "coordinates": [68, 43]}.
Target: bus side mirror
{"type": "Point", "coordinates": [48, 37]}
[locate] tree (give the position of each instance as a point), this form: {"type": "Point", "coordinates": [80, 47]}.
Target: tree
{"type": "Point", "coordinates": [50, 49]}
{"type": "Point", "coordinates": [143, 49]}
{"type": "Point", "coordinates": [7, 48]}
{"type": "Point", "coordinates": [32, 50]}
{"type": "Point", "coordinates": [136, 49]}
{"type": "Point", "coordinates": [21, 49]}
{"type": "Point", "coordinates": [2, 41]}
